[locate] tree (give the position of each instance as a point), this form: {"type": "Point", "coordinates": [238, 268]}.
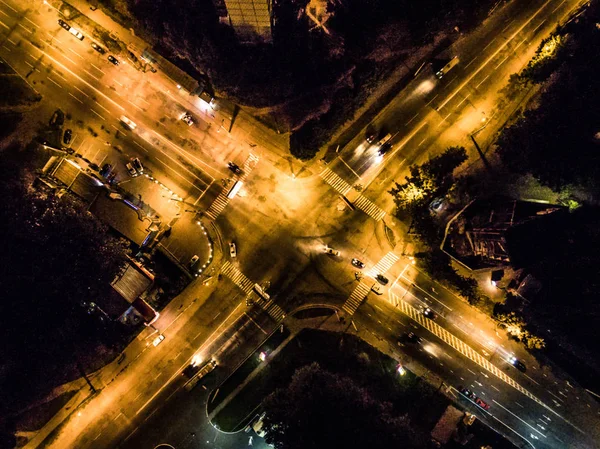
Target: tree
{"type": "Point", "coordinates": [55, 256]}
{"type": "Point", "coordinates": [322, 409]}
{"type": "Point", "coordinates": [515, 325]}
{"type": "Point", "coordinates": [429, 180]}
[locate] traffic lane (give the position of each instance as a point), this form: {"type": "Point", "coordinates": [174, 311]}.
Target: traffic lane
{"type": "Point", "coordinates": [540, 380]}
{"type": "Point", "coordinates": [442, 360]}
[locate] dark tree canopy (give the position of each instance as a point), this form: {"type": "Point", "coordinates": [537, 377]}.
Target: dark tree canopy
{"type": "Point", "coordinates": [54, 255]}
{"type": "Point", "coordinates": [320, 409]}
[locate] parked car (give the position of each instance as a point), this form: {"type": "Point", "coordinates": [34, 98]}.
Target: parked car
{"type": "Point", "coordinates": [106, 170]}
{"type": "Point", "coordinates": [357, 263]}
{"type": "Point", "coordinates": [232, 249]}
{"type": "Point", "coordinates": [473, 397]}
{"type": "Point", "coordinates": [112, 59]}
{"type": "Point", "coordinates": [257, 426]}
{"type": "Point", "coordinates": [187, 118]}
{"type": "Point", "coordinates": [64, 24]}
{"type": "Point", "coordinates": [158, 340]}
{"type": "Point", "coordinates": [137, 164]}
{"type": "Point", "coordinates": [234, 168]}
{"type": "Point", "coordinates": [331, 251]}
{"type": "Point", "coordinates": [193, 260]}
{"type": "Point", "coordinates": [132, 171]}
{"type": "Point", "coordinates": [67, 136]}
{"type": "Point", "coordinates": [128, 123]}
{"type": "Point", "coordinates": [98, 48]}
{"type": "Point", "coordinates": [75, 32]}
{"type": "Point", "coordinates": [382, 279]}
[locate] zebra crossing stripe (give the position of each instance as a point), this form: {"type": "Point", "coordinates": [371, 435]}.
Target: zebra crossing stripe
{"type": "Point", "coordinates": [335, 181]}
{"type": "Point", "coordinates": [237, 277]}
{"type": "Point", "coordinates": [356, 298]}
{"type": "Point", "coordinates": [384, 264]}
{"type": "Point", "coordinates": [370, 208]}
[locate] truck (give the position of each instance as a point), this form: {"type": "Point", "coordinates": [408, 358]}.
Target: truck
{"type": "Point", "coordinates": [200, 374]}
{"type": "Point", "coordinates": [440, 73]}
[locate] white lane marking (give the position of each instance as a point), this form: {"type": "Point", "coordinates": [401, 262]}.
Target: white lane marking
{"type": "Point", "coordinates": [509, 24]}
{"type": "Point", "coordinates": [519, 418]}
{"type": "Point", "coordinates": [491, 42]}
{"type": "Point", "coordinates": [11, 41]}
{"type": "Point", "coordinates": [30, 21]}
{"type": "Point", "coordinates": [60, 76]}
{"type": "Point", "coordinates": [73, 51]}
{"type": "Point", "coordinates": [97, 114]}
{"type": "Point", "coordinates": [75, 98]}
{"type": "Point", "coordinates": [118, 83]}
{"type": "Point", "coordinates": [97, 68]}
{"type": "Point", "coordinates": [8, 49]}
{"type": "Point", "coordinates": [66, 57]}
{"type": "Point", "coordinates": [501, 62]}
{"type": "Point", "coordinates": [10, 7]}
{"type": "Point", "coordinates": [25, 28]}
{"type": "Point", "coordinates": [536, 28]}
{"type": "Point", "coordinates": [81, 91]}
{"type": "Point", "coordinates": [463, 100]}
{"type": "Point", "coordinates": [102, 106]}
{"type": "Point", "coordinates": [93, 76]}
{"type": "Point", "coordinates": [143, 148]}
{"type": "Point", "coordinates": [432, 100]}
{"type": "Point", "coordinates": [472, 61]}
{"type": "Point", "coordinates": [561, 3]}
{"type": "Point", "coordinates": [472, 372]}
{"type": "Point", "coordinates": [494, 388]}
{"type": "Point", "coordinates": [482, 81]}
{"type": "Point", "coordinates": [52, 81]}
{"type": "Point", "coordinates": [519, 404]}
{"type": "Point", "coordinates": [414, 117]}
{"type": "Point", "coordinates": [135, 105]}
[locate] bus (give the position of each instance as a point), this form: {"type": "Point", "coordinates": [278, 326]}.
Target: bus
{"type": "Point", "coordinates": [440, 73]}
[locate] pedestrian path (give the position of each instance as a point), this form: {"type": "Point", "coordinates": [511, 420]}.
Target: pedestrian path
{"type": "Point", "coordinates": [237, 277]}
{"type": "Point", "coordinates": [370, 208]}
{"type": "Point", "coordinates": [334, 180]}
{"type": "Point", "coordinates": [356, 298]}
{"type": "Point", "coordinates": [384, 264]}
{"type": "Point", "coordinates": [341, 186]}
{"type": "Point", "coordinates": [222, 200]}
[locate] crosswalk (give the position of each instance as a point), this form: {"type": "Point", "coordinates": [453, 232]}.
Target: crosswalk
{"type": "Point", "coordinates": [222, 200]}
{"type": "Point", "coordinates": [335, 181]}
{"type": "Point", "coordinates": [238, 278]}
{"type": "Point", "coordinates": [370, 208]}
{"type": "Point", "coordinates": [356, 298]}
{"type": "Point", "coordinates": [341, 186]}
{"type": "Point", "coordinates": [247, 286]}
{"type": "Point", "coordinates": [384, 264]}
{"type": "Point", "coordinates": [272, 309]}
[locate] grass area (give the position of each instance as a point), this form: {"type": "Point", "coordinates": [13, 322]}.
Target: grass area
{"type": "Point", "coordinates": [246, 368]}
{"type": "Point", "coordinates": [37, 417]}
{"type": "Point", "coordinates": [314, 312]}
{"type": "Point", "coordinates": [368, 367]}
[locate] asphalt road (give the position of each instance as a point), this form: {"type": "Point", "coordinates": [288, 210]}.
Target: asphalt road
{"type": "Point", "coordinates": [281, 223]}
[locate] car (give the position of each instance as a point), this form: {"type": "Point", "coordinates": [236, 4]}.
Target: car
{"type": "Point", "coordinates": [331, 251]}
{"type": "Point", "coordinates": [194, 259]}
{"type": "Point", "coordinates": [400, 369]}
{"type": "Point", "coordinates": [158, 340]}
{"type": "Point", "coordinates": [383, 149]}
{"type": "Point", "coordinates": [205, 369]}
{"type": "Point", "coordinates": [64, 24]}
{"type": "Point", "coordinates": [132, 171]}
{"type": "Point", "coordinates": [411, 337]}
{"type": "Point", "coordinates": [106, 170]}
{"type": "Point", "coordinates": [234, 168]}
{"type": "Point", "coordinates": [112, 59]}
{"type": "Point", "coordinates": [187, 118]}
{"type": "Point", "coordinates": [517, 363]}
{"type": "Point", "coordinates": [257, 426]}
{"type": "Point", "coordinates": [128, 123]}
{"type": "Point", "coordinates": [473, 397]}
{"type": "Point", "coordinates": [376, 289]}
{"type": "Point", "coordinates": [192, 368]}
{"type": "Point", "coordinates": [98, 48]}
{"type": "Point", "coordinates": [382, 279]}
{"type": "Point", "coordinates": [357, 263]}
{"type": "Point", "coordinates": [137, 164]}
{"type": "Point", "coordinates": [371, 136]}
{"type": "Point", "coordinates": [75, 32]}
{"type": "Point", "coordinates": [67, 136]}
{"type": "Point", "coordinates": [428, 313]}
{"type": "Point", "coordinates": [232, 249]}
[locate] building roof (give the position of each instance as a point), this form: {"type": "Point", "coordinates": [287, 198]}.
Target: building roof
{"type": "Point", "coordinates": [71, 174]}
{"type": "Point", "coordinates": [122, 217]}
{"type": "Point", "coordinates": [446, 425]}
{"type": "Point", "coordinates": [132, 282]}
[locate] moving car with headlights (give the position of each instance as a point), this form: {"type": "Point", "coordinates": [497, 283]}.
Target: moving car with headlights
{"type": "Point", "coordinates": [98, 48]}
{"type": "Point", "coordinates": [232, 249]}
{"type": "Point", "coordinates": [234, 168]}
{"type": "Point", "coordinates": [428, 313]}
{"type": "Point", "coordinates": [112, 59]}
{"type": "Point", "coordinates": [473, 397]}
{"type": "Point", "coordinates": [517, 363]}
{"type": "Point", "coordinates": [187, 118]}
{"type": "Point", "coordinates": [64, 24]}
{"type": "Point", "coordinates": [449, 66]}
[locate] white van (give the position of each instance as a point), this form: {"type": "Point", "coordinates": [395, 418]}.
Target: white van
{"type": "Point", "coordinates": [128, 123]}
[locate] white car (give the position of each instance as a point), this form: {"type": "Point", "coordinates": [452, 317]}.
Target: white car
{"type": "Point", "coordinates": [128, 123]}
{"type": "Point", "coordinates": [158, 340]}
{"type": "Point", "coordinates": [75, 32]}
{"type": "Point", "coordinates": [232, 249]}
